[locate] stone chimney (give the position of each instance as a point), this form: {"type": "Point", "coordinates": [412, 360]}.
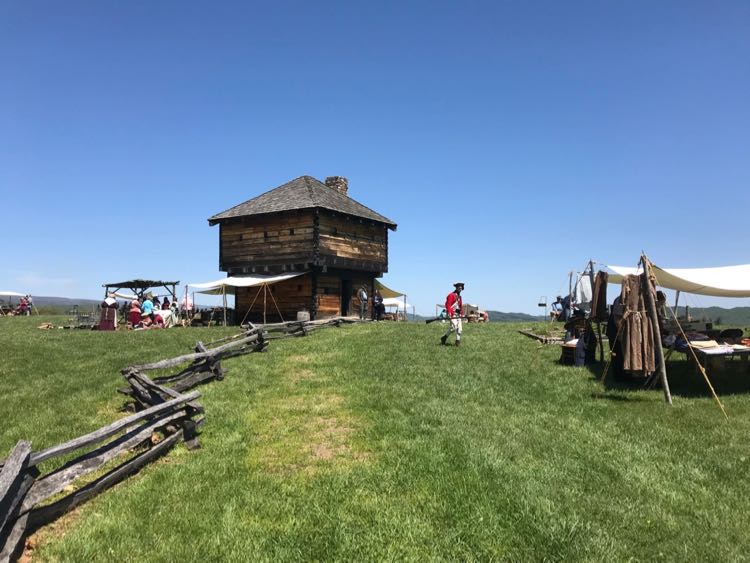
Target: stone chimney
{"type": "Point", "coordinates": [338, 183]}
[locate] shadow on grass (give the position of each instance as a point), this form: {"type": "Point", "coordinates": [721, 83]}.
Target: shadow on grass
{"type": "Point", "coordinates": [684, 381]}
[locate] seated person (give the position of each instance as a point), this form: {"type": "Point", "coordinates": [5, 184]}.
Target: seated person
{"type": "Point", "coordinates": [22, 307]}
{"type": "Point", "coordinates": [145, 321]}
{"type": "Point", "coordinates": [165, 304]}
{"type": "Point", "coordinates": [561, 308]}
{"type": "Point", "coordinates": [157, 321]}
{"type": "Point", "coordinates": [134, 314]}
{"type": "Point", "coordinates": [147, 306]}
{"type": "Point", "coordinates": [152, 321]}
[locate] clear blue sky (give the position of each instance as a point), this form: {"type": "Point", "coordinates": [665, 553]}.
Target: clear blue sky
{"type": "Point", "coordinates": [510, 141]}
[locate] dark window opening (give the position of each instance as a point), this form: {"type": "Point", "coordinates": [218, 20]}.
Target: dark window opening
{"type": "Point", "coordinates": [291, 231]}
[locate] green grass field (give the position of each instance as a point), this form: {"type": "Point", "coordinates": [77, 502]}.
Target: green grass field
{"type": "Point", "coordinates": [372, 442]}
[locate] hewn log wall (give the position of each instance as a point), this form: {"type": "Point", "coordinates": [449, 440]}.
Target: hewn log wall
{"type": "Point", "coordinates": [354, 244]}
{"type": "Point", "coordinates": [249, 245]}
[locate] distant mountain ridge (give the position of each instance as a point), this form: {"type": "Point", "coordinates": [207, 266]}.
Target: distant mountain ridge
{"type": "Point", "coordinates": [719, 315]}
{"type": "Point", "coordinates": [67, 302]}
{"type": "Point", "coordinates": [500, 317]}
{"type": "Point", "coordinates": [735, 316]}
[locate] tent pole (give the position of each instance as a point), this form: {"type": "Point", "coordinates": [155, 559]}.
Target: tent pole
{"type": "Point", "coordinates": [648, 297]}
{"type": "Point", "coordinates": [265, 288]}
{"type": "Point", "coordinates": [224, 295]}
{"type": "Point", "coordinates": [570, 297]}
{"type": "Point", "coordinates": [676, 300]}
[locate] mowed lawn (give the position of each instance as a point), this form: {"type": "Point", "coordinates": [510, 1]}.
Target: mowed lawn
{"type": "Point", "coordinates": [372, 442]}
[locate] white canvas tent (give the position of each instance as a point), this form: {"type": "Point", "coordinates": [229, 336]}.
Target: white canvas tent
{"type": "Point", "coordinates": [11, 294]}
{"type": "Point", "coordinates": [126, 296]}
{"type": "Point", "coordinates": [391, 298]}
{"type": "Point", "coordinates": [726, 281]}
{"type": "Point", "coordinates": [219, 287]}
{"type": "Point", "coordinates": [400, 305]}
{"type": "Point", "coordinates": [222, 286]}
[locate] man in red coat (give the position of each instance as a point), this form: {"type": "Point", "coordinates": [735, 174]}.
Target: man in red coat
{"type": "Point", "coordinates": [454, 306]}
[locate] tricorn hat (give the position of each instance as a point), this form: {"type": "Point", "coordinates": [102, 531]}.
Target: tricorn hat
{"type": "Point", "coordinates": [458, 284]}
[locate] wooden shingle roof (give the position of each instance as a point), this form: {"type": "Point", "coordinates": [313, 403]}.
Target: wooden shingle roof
{"type": "Point", "coordinates": [304, 192]}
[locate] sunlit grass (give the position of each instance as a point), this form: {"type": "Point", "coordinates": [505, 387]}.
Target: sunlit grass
{"type": "Point", "coordinates": [373, 442]}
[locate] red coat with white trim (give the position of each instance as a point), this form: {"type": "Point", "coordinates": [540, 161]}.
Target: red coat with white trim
{"type": "Point", "coordinates": [454, 305]}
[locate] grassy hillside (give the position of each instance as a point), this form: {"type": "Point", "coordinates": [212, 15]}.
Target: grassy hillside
{"type": "Point", "coordinates": [372, 442]}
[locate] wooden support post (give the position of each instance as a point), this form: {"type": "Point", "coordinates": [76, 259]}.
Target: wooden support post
{"type": "Point", "coordinates": [569, 314]}
{"type": "Point", "coordinates": [648, 299]}
{"type": "Point", "coordinates": [224, 295]}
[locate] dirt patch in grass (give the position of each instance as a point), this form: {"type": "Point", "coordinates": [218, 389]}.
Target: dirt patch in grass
{"type": "Point", "coordinates": [299, 359]}
{"type": "Point", "coordinates": [307, 434]}
{"type": "Point", "coordinates": [330, 439]}
{"type": "Point", "coordinates": [301, 375]}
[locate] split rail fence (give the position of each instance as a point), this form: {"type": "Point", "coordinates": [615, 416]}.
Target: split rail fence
{"type": "Point", "coordinates": [166, 412]}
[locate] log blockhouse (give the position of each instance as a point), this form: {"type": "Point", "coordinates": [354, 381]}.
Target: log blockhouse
{"type": "Point", "coordinates": [304, 226]}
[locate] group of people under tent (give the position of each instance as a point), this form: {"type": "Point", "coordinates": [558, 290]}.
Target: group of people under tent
{"type": "Point", "coordinates": [146, 312]}
{"type": "Point", "coordinates": [24, 307]}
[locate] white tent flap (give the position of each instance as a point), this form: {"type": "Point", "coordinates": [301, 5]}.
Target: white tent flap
{"type": "Point", "coordinates": [127, 296]}
{"type": "Point", "coordinates": [395, 302]}
{"type": "Point", "coordinates": [11, 294]}
{"type": "Point", "coordinates": [726, 281]}
{"type": "Point", "coordinates": [219, 286]}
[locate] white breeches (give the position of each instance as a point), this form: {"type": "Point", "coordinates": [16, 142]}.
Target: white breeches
{"type": "Point", "coordinates": [456, 325]}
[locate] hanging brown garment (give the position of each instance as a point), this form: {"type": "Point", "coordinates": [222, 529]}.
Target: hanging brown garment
{"type": "Point", "coordinates": [637, 332]}
{"type": "Point", "coordinates": [599, 301]}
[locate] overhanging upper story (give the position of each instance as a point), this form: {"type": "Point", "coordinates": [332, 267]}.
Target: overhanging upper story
{"type": "Point", "coordinates": [303, 224]}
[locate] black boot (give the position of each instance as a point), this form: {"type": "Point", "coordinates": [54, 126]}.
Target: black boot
{"type": "Point", "coordinates": [458, 343]}
{"type": "Point", "coordinates": [443, 339]}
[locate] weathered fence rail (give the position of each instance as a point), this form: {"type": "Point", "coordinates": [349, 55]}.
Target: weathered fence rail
{"type": "Point", "coordinates": [166, 412]}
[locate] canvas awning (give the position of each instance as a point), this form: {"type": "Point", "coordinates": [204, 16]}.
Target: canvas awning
{"type": "Point", "coordinates": [11, 294]}
{"type": "Point", "coordinates": [387, 292]}
{"type": "Point", "coordinates": [395, 302]}
{"type": "Point", "coordinates": [220, 286]}
{"type": "Point", "coordinates": [126, 296]}
{"type": "Point", "coordinates": [726, 281]}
